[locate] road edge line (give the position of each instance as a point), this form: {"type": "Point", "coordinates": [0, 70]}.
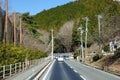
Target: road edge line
{"type": "Point", "coordinates": [82, 77]}
{"type": "Point", "coordinates": [40, 74]}
{"type": "Point", "coordinates": [44, 78]}
{"type": "Point", "coordinates": [29, 78]}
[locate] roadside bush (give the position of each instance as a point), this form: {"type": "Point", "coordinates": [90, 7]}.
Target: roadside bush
{"type": "Point", "coordinates": [97, 57]}
{"type": "Point", "coordinates": [106, 48]}
{"type": "Point", "coordinates": [10, 54]}
{"type": "Point", "coordinates": [117, 51]}
{"type": "Point", "coordinates": [76, 53]}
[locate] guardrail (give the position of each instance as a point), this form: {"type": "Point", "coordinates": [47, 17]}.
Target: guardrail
{"type": "Point", "coordinates": [7, 71]}
{"type": "Point", "coordinates": [38, 76]}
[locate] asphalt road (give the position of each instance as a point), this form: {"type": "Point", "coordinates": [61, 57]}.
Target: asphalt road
{"type": "Point", "coordinates": [90, 73]}
{"type": "Point", "coordinates": [61, 71]}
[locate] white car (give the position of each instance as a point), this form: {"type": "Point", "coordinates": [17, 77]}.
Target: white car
{"type": "Point", "coordinates": [60, 59]}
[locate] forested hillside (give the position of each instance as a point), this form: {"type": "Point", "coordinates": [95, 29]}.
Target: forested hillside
{"type": "Point", "coordinates": [56, 17]}
{"type": "Point", "coordinates": [74, 11]}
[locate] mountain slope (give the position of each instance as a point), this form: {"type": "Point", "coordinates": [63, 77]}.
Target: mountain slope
{"type": "Point", "coordinates": [74, 11]}
{"type": "Point", "coordinates": [32, 37]}
{"type": "Point", "coordinates": [56, 17]}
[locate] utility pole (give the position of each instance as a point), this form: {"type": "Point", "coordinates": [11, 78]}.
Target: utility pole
{"type": "Point", "coordinates": [6, 23]}
{"type": "Point", "coordinates": [21, 32]}
{"type": "Point", "coordinates": [99, 29]}
{"type": "Point", "coordinates": [81, 46]}
{"type": "Point", "coordinates": [86, 32]}
{"type": "Point", "coordinates": [52, 44]}
{"type": "Point", "coordinates": [14, 28]}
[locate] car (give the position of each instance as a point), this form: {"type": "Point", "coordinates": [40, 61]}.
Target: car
{"type": "Point", "coordinates": [60, 59]}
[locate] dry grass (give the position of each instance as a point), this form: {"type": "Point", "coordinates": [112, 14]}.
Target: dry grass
{"type": "Point", "coordinates": [109, 63]}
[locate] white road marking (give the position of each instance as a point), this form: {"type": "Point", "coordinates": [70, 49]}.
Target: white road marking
{"type": "Point", "coordinates": [44, 78]}
{"type": "Point", "coordinates": [41, 72]}
{"type": "Point", "coordinates": [71, 67]}
{"type": "Point", "coordinates": [82, 77]}
{"type": "Point", "coordinates": [75, 71]}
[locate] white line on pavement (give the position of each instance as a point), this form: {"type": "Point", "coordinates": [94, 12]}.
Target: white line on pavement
{"type": "Point", "coordinates": [82, 77]}
{"type": "Point", "coordinates": [37, 77]}
{"type": "Point", "coordinates": [44, 78]}
{"type": "Point", "coordinates": [71, 67]}
{"type": "Point", "coordinates": [75, 71]}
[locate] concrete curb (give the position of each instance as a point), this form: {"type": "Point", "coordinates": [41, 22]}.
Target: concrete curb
{"type": "Point", "coordinates": [34, 75]}
{"type": "Point", "coordinates": [42, 71]}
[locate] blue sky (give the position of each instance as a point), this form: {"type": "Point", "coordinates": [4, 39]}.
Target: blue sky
{"type": "Point", "coordinates": [34, 6]}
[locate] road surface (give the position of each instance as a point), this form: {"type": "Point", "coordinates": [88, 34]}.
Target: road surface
{"type": "Point", "coordinates": [90, 73]}
{"type": "Point", "coordinates": [61, 71]}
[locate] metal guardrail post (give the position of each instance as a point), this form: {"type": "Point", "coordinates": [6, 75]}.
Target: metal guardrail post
{"type": "Point", "coordinates": [15, 67]}
{"type": "Point", "coordinates": [10, 70]}
{"type": "Point", "coordinates": [37, 62]}
{"type": "Point", "coordinates": [33, 62]}
{"type": "Point", "coordinates": [29, 63]}
{"type": "Point", "coordinates": [19, 66]}
{"type": "Point", "coordinates": [23, 66]}
{"type": "Point", "coordinates": [26, 65]}
{"type": "Point", "coordinates": [3, 72]}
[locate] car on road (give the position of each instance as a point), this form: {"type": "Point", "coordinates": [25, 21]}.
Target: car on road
{"type": "Point", "coordinates": [60, 59]}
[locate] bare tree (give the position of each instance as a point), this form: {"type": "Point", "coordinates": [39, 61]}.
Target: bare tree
{"type": "Point", "coordinates": [14, 28]}
{"type": "Point", "coordinates": [65, 35]}
{"type": "Point", "coordinates": [6, 23]}
{"type": "Point", "coordinates": [21, 34]}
